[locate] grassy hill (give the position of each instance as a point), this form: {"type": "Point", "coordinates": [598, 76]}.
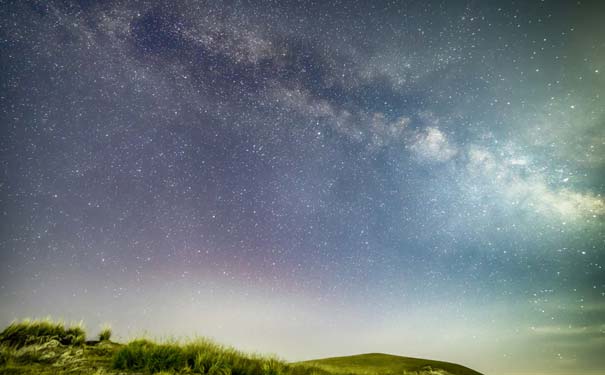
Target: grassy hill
{"type": "Point", "coordinates": [47, 347]}
{"type": "Point", "coordinates": [378, 363]}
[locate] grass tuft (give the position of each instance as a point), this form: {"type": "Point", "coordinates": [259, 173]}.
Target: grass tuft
{"type": "Point", "coordinates": [105, 333]}
{"type": "Point", "coordinates": [35, 332]}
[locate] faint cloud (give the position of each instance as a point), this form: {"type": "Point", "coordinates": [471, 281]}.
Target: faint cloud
{"type": "Point", "coordinates": [554, 330]}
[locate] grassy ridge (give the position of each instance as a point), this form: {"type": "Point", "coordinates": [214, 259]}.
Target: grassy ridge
{"type": "Point", "coordinates": [47, 347]}
{"type": "Point", "coordinates": [198, 357]}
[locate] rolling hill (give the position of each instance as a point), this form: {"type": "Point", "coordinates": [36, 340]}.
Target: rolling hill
{"type": "Point", "coordinates": [378, 363]}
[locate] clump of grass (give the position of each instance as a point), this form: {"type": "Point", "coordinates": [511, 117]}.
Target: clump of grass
{"type": "Point", "coordinates": [198, 357]}
{"type": "Point", "coordinates": [32, 332]}
{"type": "Point", "coordinates": [272, 366]}
{"type": "Point", "coordinates": [105, 333]}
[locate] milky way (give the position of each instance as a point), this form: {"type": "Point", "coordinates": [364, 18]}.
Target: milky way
{"type": "Point", "coordinates": [311, 178]}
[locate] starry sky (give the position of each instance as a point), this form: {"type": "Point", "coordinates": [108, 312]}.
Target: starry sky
{"type": "Point", "coordinates": [311, 178]}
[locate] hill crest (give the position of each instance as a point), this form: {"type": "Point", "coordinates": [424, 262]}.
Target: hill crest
{"type": "Point", "coordinates": [383, 363]}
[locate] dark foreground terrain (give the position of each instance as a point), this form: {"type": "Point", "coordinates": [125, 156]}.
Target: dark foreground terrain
{"type": "Point", "coordinates": [46, 347]}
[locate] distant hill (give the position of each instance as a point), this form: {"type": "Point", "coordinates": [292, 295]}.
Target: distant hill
{"type": "Point", "coordinates": [378, 363]}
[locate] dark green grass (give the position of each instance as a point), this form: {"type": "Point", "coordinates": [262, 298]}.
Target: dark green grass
{"type": "Point", "coordinates": [378, 363]}
{"type": "Point", "coordinates": [105, 333]}
{"type": "Point", "coordinates": [31, 332]}
{"type": "Point", "coordinates": [199, 357]}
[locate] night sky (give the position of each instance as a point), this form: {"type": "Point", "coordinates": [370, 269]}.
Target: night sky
{"type": "Point", "coordinates": [311, 178]}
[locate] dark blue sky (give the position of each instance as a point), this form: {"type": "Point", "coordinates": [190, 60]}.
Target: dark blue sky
{"type": "Point", "coordinates": [311, 178]}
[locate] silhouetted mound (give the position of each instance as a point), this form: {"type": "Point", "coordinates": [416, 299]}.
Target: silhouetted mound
{"type": "Point", "coordinates": [378, 363]}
